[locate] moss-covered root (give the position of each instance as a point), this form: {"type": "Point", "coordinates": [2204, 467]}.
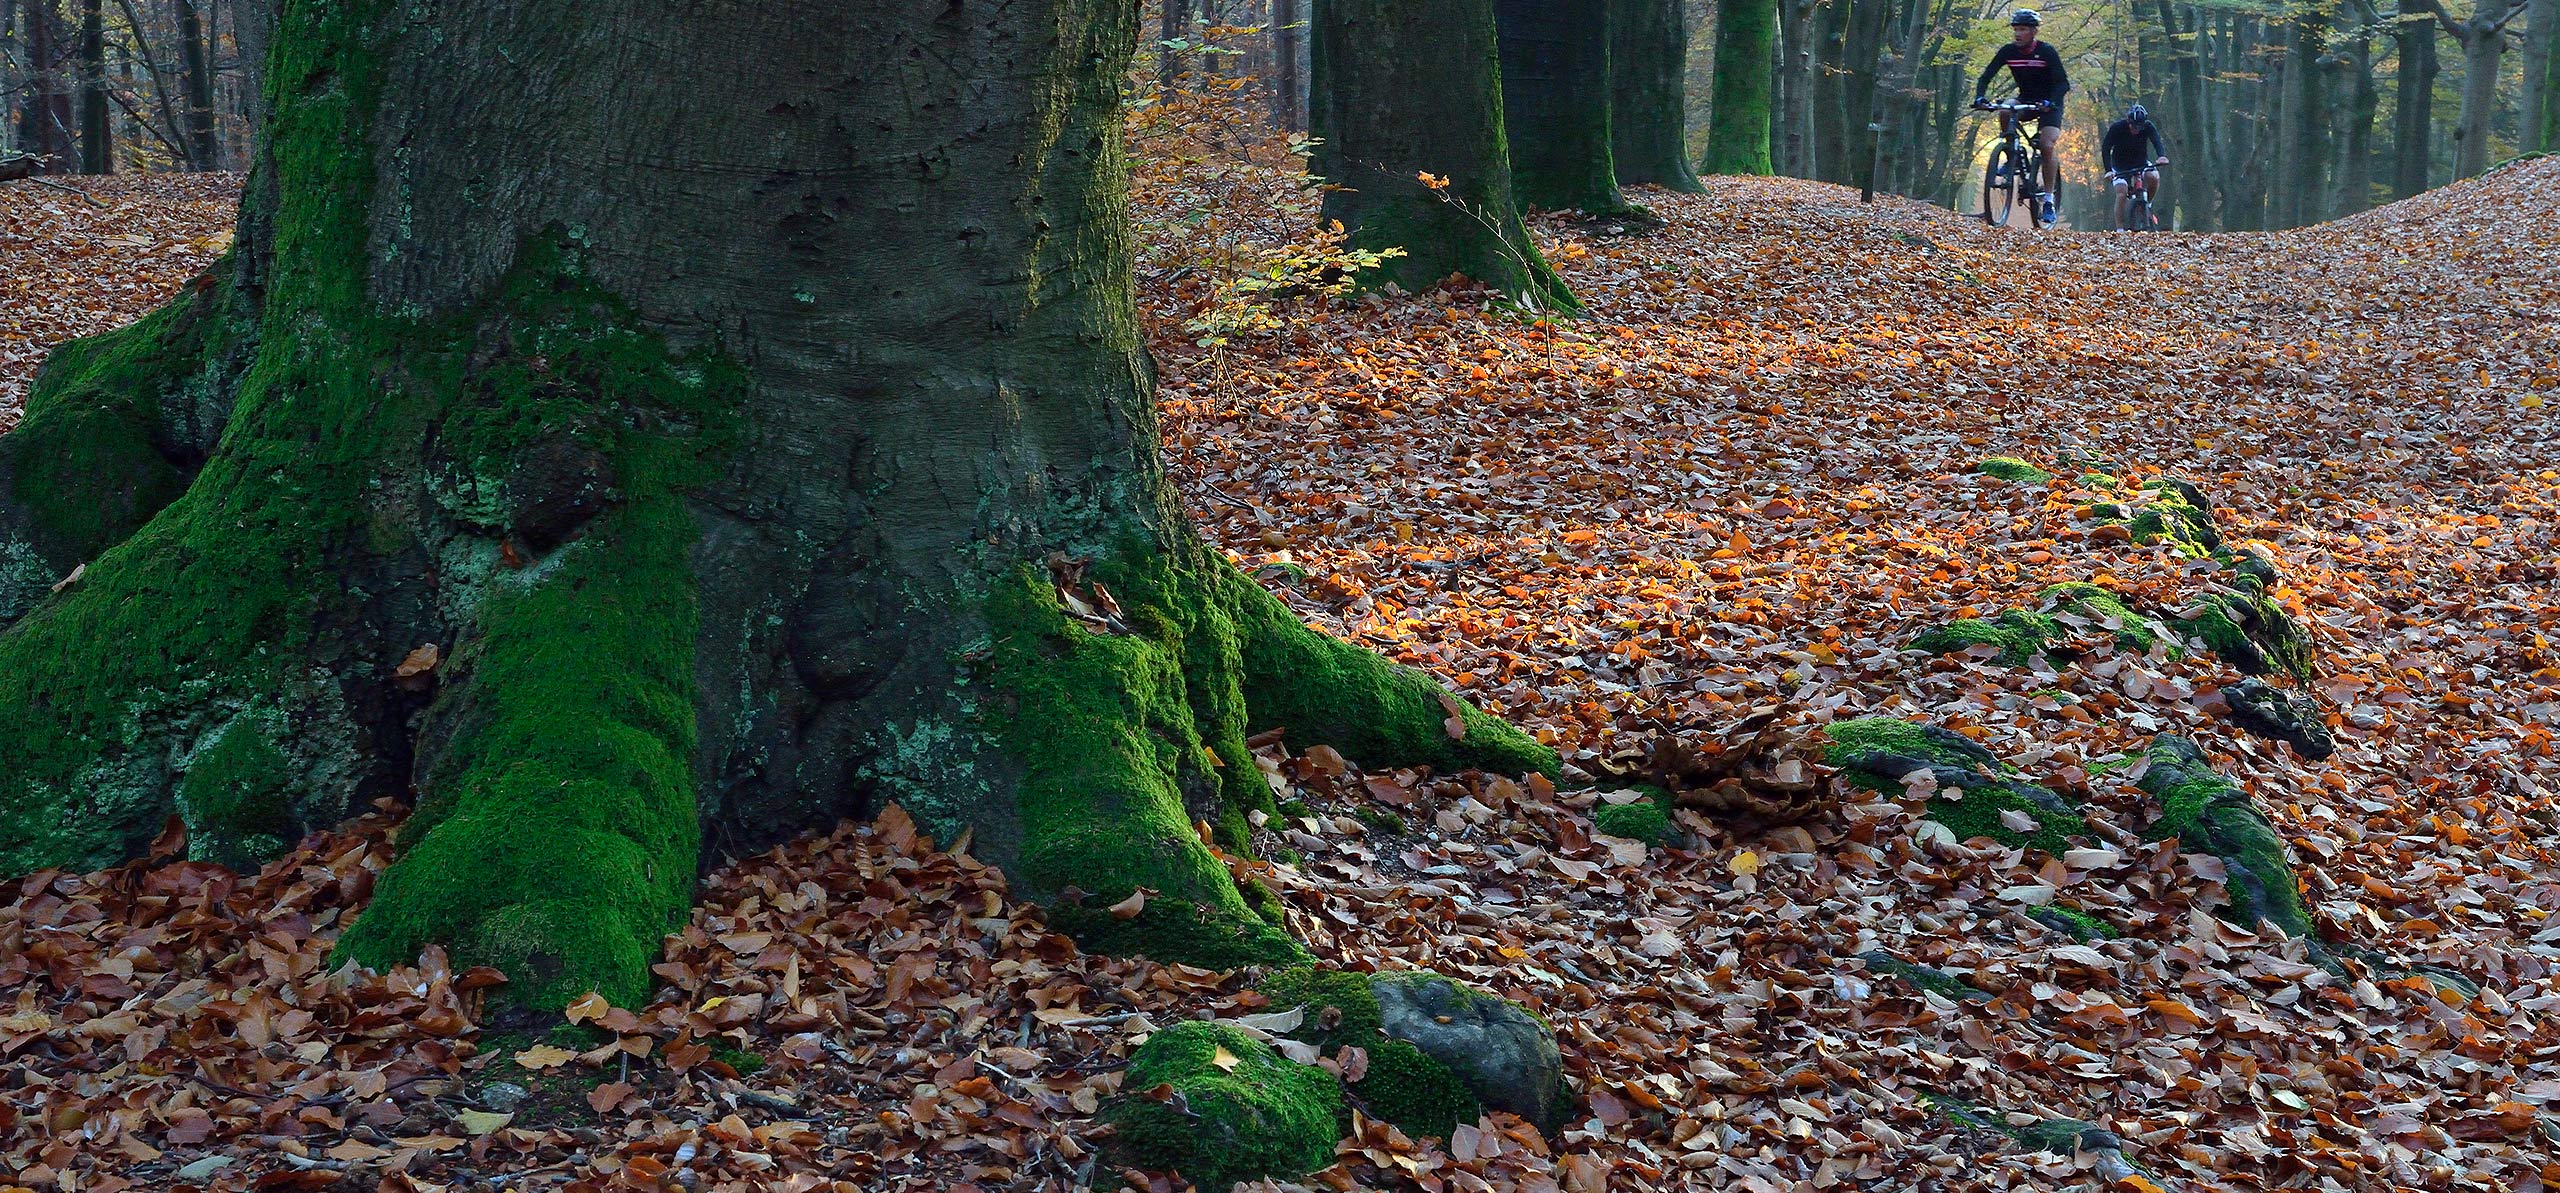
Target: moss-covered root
{"type": "Point", "coordinates": [1322, 690]}
{"type": "Point", "coordinates": [1977, 795]}
{"type": "Point", "coordinates": [108, 440]}
{"type": "Point", "coordinates": [1219, 1106]}
{"type": "Point", "coordinates": [2020, 635]}
{"type": "Point", "coordinates": [1440, 1052]}
{"type": "Point", "coordinates": [2210, 814]}
{"type": "Point", "coordinates": [2011, 468]}
{"type": "Point", "coordinates": [1926, 977]}
{"type": "Point", "coordinates": [557, 838]}
{"type": "Point", "coordinates": [2253, 633]}
{"type": "Point", "coordinates": [2056, 1136]}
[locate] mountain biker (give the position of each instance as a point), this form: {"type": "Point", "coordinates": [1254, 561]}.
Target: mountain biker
{"type": "Point", "coordinates": [2132, 153]}
{"type": "Point", "coordinates": [2037, 68]}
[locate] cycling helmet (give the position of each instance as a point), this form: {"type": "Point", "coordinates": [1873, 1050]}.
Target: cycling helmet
{"type": "Point", "coordinates": [2025, 16]}
{"type": "Point", "coordinates": [2137, 113]}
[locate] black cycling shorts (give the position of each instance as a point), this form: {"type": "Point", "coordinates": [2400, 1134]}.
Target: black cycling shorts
{"type": "Point", "coordinates": [2051, 117]}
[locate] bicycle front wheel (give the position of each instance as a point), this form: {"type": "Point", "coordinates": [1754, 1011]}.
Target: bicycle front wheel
{"type": "Point", "coordinates": [2002, 185]}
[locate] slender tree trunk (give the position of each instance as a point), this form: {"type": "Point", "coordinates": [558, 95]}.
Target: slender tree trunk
{"type": "Point", "coordinates": [2484, 45]}
{"type": "Point", "coordinates": [1738, 118]}
{"type": "Point", "coordinates": [2538, 109]}
{"type": "Point", "coordinates": [97, 133]}
{"type": "Point", "coordinates": [1288, 80]}
{"type": "Point", "coordinates": [1794, 85]}
{"type": "Point", "coordinates": [1555, 103]}
{"type": "Point", "coordinates": [2363, 100]}
{"type": "Point", "coordinates": [731, 507]}
{"type": "Point", "coordinates": [204, 148]}
{"type": "Point", "coordinates": [2192, 171]}
{"type": "Point", "coordinates": [2302, 141]}
{"type": "Point", "coordinates": [2414, 107]}
{"type": "Point", "coordinates": [1174, 23]}
{"type": "Point", "coordinates": [1649, 102]}
{"type": "Point", "coordinates": [1864, 47]}
{"type": "Point", "coordinates": [1832, 155]}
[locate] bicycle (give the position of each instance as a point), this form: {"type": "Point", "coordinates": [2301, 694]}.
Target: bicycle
{"type": "Point", "coordinates": [2015, 171]}
{"type": "Point", "coordinates": [2138, 215]}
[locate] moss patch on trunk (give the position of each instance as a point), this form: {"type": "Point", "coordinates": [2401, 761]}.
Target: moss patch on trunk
{"type": "Point", "coordinates": [2210, 814]}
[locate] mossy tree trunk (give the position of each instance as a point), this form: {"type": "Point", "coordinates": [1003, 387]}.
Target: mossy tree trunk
{"type": "Point", "coordinates": [1404, 88]}
{"type": "Point", "coordinates": [1649, 94]}
{"type": "Point", "coordinates": [1738, 115]}
{"type": "Point", "coordinates": [1556, 92]}
{"type": "Point", "coordinates": [747, 403]}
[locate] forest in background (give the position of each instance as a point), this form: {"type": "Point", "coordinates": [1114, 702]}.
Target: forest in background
{"type": "Point", "coordinates": [2276, 115]}
{"type": "Point", "coordinates": [125, 86]}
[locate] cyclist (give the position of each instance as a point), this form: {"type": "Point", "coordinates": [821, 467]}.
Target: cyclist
{"type": "Point", "coordinates": [2037, 68]}
{"type": "Point", "coordinates": [2133, 153]}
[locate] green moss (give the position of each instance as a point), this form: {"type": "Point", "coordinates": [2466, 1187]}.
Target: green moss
{"type": "Point", "coordinates": [2021, 635]}
{"type": "Point", "coordinates": [1643, 820]}
{"type": "Point", "coordinates": [1403, 1085]}
{"type": "Point", "coordinates": [1974, 786]}
{"type": "Point", "coordinates": [2209, 814]}
{"type": "Point", "coordinates": [2134, 633]}
{"type": "Point", "coordinates": [2011, 468]}
{"type": "Point", "coordinates": [2074, 923]}
{"type": "Point", "coordinates": [1935, 981]}
{"type": "Point", "coordinates": [739, 1060]}
{"type": "Point", "coordinates": [1247, 1114]}
{"type": "Point", "coordinates": [2251, 632]}
{"type": "Point", "coordinates": [558, 839]}
{"type": "Point", "coordinates": [234, 797]}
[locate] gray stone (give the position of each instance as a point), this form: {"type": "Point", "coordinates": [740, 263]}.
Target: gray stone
{"type": "Point", "coordinates": [1503, 1054]}
{"type": "Point", "coordinates": [2263, 709]}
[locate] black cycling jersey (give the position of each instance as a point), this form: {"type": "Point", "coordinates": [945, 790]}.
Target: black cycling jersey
{"type": "Point", "coordinates": [2038, 72]}
{"type": "Point", "coordinates": [2128, 146]}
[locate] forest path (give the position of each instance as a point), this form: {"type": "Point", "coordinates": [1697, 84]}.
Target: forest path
{"type": "Point", "coordinates": [1744, 481]}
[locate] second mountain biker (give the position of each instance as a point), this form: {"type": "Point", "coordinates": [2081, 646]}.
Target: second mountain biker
{"type": "Point", "coordinates": [2037, 68]}
{"type": "Point", "coordinates": [2132, 153]}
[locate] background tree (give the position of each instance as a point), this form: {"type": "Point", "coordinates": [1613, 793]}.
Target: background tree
{"type": "Point", "coordinates": [97, 138]}
{"type": "Point", "coordinates": [2540, 109]}
{"type": "Point", "coordinates": [2483, 38]}
{"type": "Point", "coordinates": [1738, 117]}
{"type": "Point", "coordinates": [1648, 93]}
{"type": "Point", "coordinates": [1402, 88]}
{"type": "Point", "coordinates": [1556, 89]}
{"type": "Point", "coordinates": [638, 524]}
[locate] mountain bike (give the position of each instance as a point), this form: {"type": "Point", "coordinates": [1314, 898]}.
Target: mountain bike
{"type": "Point", "coordinates": [2138, 215]}
{"type": "Point", "coordinates": [2016, 171]}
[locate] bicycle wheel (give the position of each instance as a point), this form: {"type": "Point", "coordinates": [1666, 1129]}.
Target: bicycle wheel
{"type": "Point", "coordinates": [2137, 214]}
{"type": "Point", "coordinates": [2001, 186]}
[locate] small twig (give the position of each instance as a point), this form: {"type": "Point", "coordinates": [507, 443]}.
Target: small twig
{"type": "Point", "coordinates": [93, 199]}
{"type": "Point", "coordinates": [1104, 1020]}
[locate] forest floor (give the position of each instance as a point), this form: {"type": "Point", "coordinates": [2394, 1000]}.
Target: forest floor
{"type": "Point", "coordinates": [1744, 481]}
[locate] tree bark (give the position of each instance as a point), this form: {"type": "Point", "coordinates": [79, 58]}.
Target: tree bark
{"type": "Point", "coordinates": [1793, 142]}
{"type": "Point", "coordinates": [1738, 116]}
{"type": "Point", "coordinates": [97, 135]}
{"type": "Point", "coordinates": [2302, 139]}
{"type": "Point", "coordinates": [2363, 100]}
{"type": "Point", "coordinates": [204, 148]}
{"type": "Point", "coordinates": [735, 398]}
{"type": "Point", "coordinates": [2190, 180]}
{"type": "Point", "coordinates": [1649, 101]}
{"type": "Point", "coordinates": [2414, 111]}
{"type": "Point", "coordinates": [1404, 88]}
{"type": "Point", "coordinates": [2538, 109]}
{"type": "Point", "coordinates": [1556, 93]}
{"type": "Point", "coordinates": [1288, 81]}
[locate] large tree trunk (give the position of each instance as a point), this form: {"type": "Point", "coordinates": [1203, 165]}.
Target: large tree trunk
{"type": "Point", "coordinates": [2539, 109]}
{"type": "Point", "coordinates": [747, 404]}
{"type": "Point", "coordinates": [1738, 116]}
{"type": "Point", "coordinates": [2355, 138]}
{"type": "Point", "coordinates": [2484, 45]}
{"type": "Point", "coordinates": [2190, 179]}
{"type": "Point", "coordinates": [1555, 103]}
{"type": "Point", "coordinates": [1793, 142]}
{"type": "Point", "coordinates": [1648, 99]}
{"type": "Point", "coordinates": [1404, 88]}
{"type": "Point", "coordinates": [2413, 120]}
{"type": "Point", "coordinates": [97, 135]}
{"type": "Point", "coordinates": [2302, 135]}
{"type": "Point", "coordinates": [1288, 79]}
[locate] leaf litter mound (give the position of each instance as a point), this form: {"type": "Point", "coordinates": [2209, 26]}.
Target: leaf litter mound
{"type": "Point", "coordinates": [1746, 482]}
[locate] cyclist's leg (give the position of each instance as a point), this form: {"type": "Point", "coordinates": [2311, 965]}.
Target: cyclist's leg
{"type": "Point", "coordinates": [2116, 183]}
{"type": "Point", "coordinates": [2048, 139]}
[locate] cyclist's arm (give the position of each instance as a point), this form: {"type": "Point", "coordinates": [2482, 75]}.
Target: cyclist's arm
{"type": "Point", "coordinates": [2061, 77]}
{"type": "Point", "coordinates": [2159, 144]}
{"type": "Point", "coordinates": [1982, 82]}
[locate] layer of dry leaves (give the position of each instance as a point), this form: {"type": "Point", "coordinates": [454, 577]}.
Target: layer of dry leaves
{"type": "Point", "coordinates": [95, 257]}
{"type": "Point", "coordinates": [1740, 482]}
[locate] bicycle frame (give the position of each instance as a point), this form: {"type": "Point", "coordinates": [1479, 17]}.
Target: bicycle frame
{"type": "Point", "coordinates": [2025, 156]}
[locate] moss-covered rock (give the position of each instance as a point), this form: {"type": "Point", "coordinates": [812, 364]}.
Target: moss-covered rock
{"type": "Point", "coordinates": [2063, 610]}
{"type": "Point", "coordinates": [1219, 1106]}
{"type": "Point", "coordinates": [1440, 1052]}
{"type": "Point", "coordinates": [2011, 468]}
{"type": "Point", "coordinates": [1644, 820]}
{"type": "Point", "coordinates": [1974, 787]}
{"type": "Point", "coordinates": [2210, 814]}
{"type": "Point", "coordinates": [1934, 980]}
{"type": "Point", "coordinates": [234, 797]}
{"type": "Point", "coordinates": [2251, 632]}
{"type": "Point", "coordinates": [2275, 714]}
{"type": "Point", "coordinates": [2074, 923]}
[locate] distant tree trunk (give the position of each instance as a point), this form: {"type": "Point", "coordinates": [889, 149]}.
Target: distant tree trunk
{"type": "Point", "coordinates": [2192, 172]}
{"type": "Point", "coordinates": [1738, 118]}
{"type": "Point", "coordinates": [97, 134]}
{"type": "Point", "coordinates": [1173, 23]}
{"type": "Point", "coordinates": [2302, 141]}
{"type": "Point", "coordinates": [1649, 101]}
{"type": "Point", "coordinates": [204, 148]}
{"type": "Point", "coordinates": [1402, 88]}
{"type": "Point", "coordinates": [2355, 124]}
{"type": "Point", "coordinates": [2483, 38]}
{"type": "Point", "coordinates": [1555, 103]}
{"type": "Point", "coordinates": [1793, 141]}
{"type": "Point", "coordinates": [2539, 111]}
{"type": "Point", "coordinates": [1863, 52]}
{"type": "Point", "coordinates": [1288, 82]}
{"type": "Point", "coordinates": [2413, 119]}
{"type": "Point", "coordinates": [1830, 92]}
